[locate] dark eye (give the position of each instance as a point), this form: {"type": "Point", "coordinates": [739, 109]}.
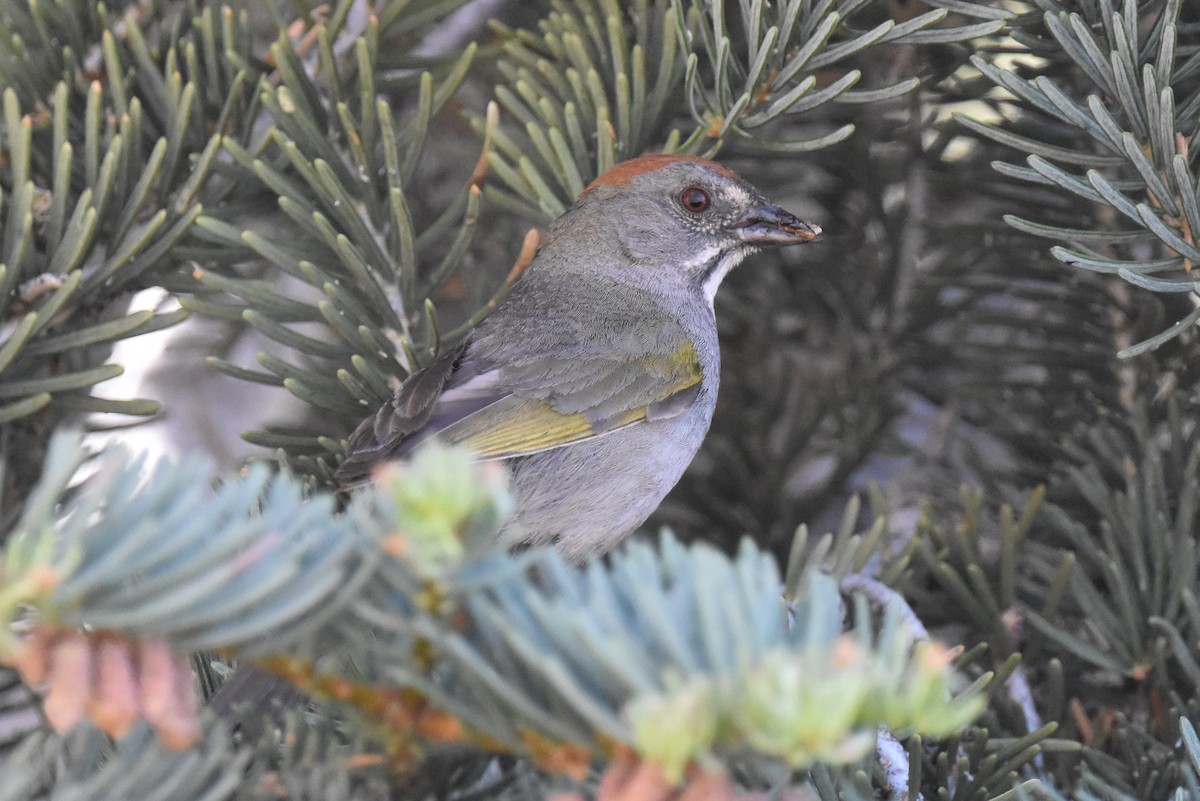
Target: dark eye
{"type": "Point", "coordinates": [694, 199]}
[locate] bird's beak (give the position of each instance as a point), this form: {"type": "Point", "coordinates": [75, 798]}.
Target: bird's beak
{"type": "Point", "coordinates": [767, 224]}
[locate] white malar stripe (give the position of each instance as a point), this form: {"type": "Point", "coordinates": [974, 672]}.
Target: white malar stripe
{"type": "Point", "coordinates": [730, 260]}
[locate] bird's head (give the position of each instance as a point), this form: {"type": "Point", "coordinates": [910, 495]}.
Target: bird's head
{"type": "Point", "coordinates": [677, 217]}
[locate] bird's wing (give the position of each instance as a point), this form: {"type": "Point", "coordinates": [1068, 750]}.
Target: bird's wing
{"type": "Point", "coordinates": [503, 396]}
{"type": "Point", "coordinates": [550, 402]}
{"type": "Point", "coordinates": [385, 434]}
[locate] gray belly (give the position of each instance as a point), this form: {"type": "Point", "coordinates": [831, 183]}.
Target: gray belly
{"type": "Point", "coordinates": [587, 497]}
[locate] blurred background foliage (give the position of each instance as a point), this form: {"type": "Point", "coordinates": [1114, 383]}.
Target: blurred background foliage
{"type": "Point", "coordinates": [229, 230]}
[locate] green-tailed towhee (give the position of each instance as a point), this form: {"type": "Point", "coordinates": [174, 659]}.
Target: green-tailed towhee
{"type": "Point", "coordinates": [595, 380]}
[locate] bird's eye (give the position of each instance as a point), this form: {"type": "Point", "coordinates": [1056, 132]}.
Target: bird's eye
{"type": "Point", "coordinates": [694, 199]}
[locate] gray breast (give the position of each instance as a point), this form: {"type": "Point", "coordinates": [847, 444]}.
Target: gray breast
{"type": "Point", "coordinates": [588, 496]}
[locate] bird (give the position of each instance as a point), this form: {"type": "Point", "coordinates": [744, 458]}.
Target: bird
{"type": "Point", "coordinates": [595, 380]}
